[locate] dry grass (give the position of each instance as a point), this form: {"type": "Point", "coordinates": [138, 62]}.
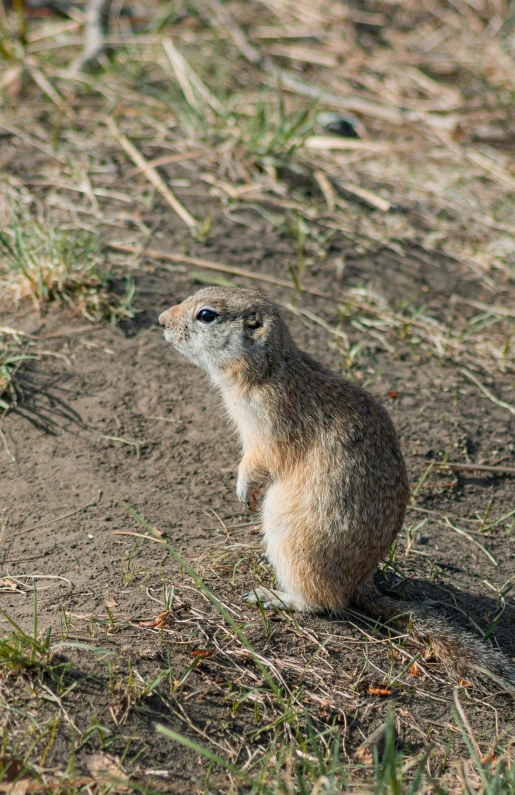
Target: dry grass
{"type": "Point", "coordinates": [282, 718]}
{"type": "Point", "coordinates": [46, 263]}
{"type": "Point", "coordinates": [14, 350]}
{"type": "Point", "coordinates": [430, 176]}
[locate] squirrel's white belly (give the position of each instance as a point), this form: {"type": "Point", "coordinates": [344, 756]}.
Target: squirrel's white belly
{"type": "Point", "coordinates": [276, 526]}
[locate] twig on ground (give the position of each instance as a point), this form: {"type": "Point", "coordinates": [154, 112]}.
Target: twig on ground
{"type": "Point", "coordinates": [318, 320]}
{"type": "Point", "coordinates": [473, 467]}
{"type": "Point", "coordinates": [6, 446]}
{"type": "Point", "coordinates": [165, 159]}
{"type": "Point", "coordinates": [36, 576]}
{"type": "Point", "coordinates": [138, 535]}
{"type": "Point", "coordinates": [486, 391]}
{"type": "Point", "coordinates": [367, 196]}
{"type": "Point", "coordinates": [24, 558]}
{"type": "Point", "coordinates": [151, 174]}
{"type": "Point", "coordinates": [130, 442]}
{"type": "Point", "coordinates": [465, 721]}
{"type": "Point", "coordinates": [327, 189]}
{"type": "Point", "coordinates": [329, 142]}
{"type": "Point", "coordinates": [67, 332]}
{"type": "Point", "coordinates": [188, 79]}
{"type": "Point", "coordinates": [216, 266]}
{"type": "Point", "coordinates": [473, 540]}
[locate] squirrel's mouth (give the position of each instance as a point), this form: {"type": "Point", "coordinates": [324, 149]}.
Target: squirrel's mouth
{"type": "Point", "coordinates": [176, 343]}
{"type": "Point", "coordinates": [168, 335]}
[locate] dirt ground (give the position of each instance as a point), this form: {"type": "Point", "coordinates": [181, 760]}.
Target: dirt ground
{"type": "Point", "coordinates": [65, 497]}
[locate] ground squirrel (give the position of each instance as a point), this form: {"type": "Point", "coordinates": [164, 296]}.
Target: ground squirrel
{"type": "Point", "coordinates": [327, 459]}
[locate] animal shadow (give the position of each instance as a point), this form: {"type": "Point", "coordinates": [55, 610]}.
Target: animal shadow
{"type": "Point", "coordinates": [43, 399]}
{"type": "Point", "coordinates": [473, 612]}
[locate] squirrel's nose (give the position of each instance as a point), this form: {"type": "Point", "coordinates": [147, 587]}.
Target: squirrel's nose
{"type": "Point", "coordinates": [164, 319]}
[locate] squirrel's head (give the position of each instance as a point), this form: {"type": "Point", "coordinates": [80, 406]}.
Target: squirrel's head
{"type": "Point", "coordinates": [233, 334]}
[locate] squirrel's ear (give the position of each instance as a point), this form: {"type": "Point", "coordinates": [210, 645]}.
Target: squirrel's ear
{"type": "Point", "coordinates": [253, 320]}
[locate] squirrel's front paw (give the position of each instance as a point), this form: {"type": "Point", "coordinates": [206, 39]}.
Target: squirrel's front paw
{"type": "Point", "coordinates": [255, 498]}
{"type": "Point", "coordinates": [249, 494]}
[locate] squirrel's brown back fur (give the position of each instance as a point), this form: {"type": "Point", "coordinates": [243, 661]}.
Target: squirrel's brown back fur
{"type": "Point", "coordinates": [328, 458]}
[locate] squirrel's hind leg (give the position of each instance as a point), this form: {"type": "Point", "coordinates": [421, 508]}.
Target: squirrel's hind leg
{"type": "Point", "coordinates": [269, 598]}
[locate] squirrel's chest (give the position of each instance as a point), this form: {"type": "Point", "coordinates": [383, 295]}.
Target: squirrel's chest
{"type": "Point", "coordinates": [250, 417]}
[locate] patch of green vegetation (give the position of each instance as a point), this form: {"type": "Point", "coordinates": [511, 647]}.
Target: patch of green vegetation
{"type": "Point", "coordinates": [24, 653]}
{"type": "Point", "coordinates": [273, 134]}
{"type": "Point", "coordinates": [44, 263]}
{"type": "Point", "coordinates": [294, 749]}
{"type": "Point", "coordinates": [286, 744]}
{"type": "Point", "coordinates": [13, 352]}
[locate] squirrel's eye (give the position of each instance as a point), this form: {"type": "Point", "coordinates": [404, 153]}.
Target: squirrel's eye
{"type": "Point", "coordinates": [207, 315]}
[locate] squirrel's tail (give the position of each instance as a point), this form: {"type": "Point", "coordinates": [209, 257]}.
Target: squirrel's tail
{"type": "Point", "coordinates": [462, 654]}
